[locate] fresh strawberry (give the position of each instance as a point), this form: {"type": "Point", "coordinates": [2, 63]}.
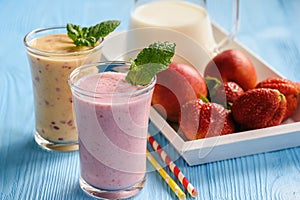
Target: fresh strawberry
{"type": "Point", "coordinates": [201, 120]}
{"type": "Point", "coordinates": [233, 91]}
{"type": "Point", "coordinates": [287, 87]}
{"type": "Point", "coordinates": [223, 93]}
{"type": "Point", "coordinates": [259, 108]}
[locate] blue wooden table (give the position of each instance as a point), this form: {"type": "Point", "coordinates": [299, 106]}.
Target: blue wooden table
{"type": "Point", "coordinates": [269, 28]}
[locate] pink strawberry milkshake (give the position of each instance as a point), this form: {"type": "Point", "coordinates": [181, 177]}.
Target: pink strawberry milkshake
{"type": "Point", "coordinates": [112, 119]}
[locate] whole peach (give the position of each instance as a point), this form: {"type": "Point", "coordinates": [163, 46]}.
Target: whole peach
{"type": "Point", "coordinates": [233, 65]}
{"type": "Point", "coordinates": [174, 87]}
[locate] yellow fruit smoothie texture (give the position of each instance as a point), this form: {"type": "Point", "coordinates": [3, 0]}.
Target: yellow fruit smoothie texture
{"type": "Point", "coordinates": [50, 70]}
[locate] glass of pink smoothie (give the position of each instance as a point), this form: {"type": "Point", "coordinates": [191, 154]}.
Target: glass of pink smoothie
{"type": "Point", "coordinates": [112, 119]}
{"type": "Point", "coordinates": [52, 56]}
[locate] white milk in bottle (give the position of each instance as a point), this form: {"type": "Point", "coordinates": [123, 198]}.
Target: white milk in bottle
{"type": "Point", "coordinates": [184, 17]}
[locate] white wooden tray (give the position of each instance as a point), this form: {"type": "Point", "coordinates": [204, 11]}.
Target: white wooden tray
{"type": "Point", "coordinates": [215, 148]}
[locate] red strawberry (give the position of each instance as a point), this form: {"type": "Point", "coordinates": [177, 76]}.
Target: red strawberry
{"type": "Point", "coordinates": [259, 108]}
{"type": "Point", "coordinates": [288, 88]}
{"type": "Point", "coordinates": [233, 91]}
{"type": "Point", "coordinates": [223, 93]}
{"type": "Point", "coordinates": [202, 120]}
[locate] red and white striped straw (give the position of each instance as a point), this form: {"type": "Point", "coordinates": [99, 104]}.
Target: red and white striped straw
{"type": "Point", "coordinates": [175, 170]}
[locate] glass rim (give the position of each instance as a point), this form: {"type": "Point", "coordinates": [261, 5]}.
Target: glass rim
{"type": "Point", "coordinates": [33, 50]}
{"type": "Point", "coordinates": [93, 94]}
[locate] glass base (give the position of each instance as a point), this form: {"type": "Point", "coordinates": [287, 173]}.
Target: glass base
{"type": "Point", "coordinates": [111, 194]}
{"type": "Point", "coordinates": [48, 145]}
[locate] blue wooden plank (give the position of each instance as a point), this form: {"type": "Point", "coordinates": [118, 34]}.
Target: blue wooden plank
{"type": "Point", "coordinates": [269, 28]}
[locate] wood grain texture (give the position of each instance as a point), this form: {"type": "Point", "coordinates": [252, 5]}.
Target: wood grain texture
{"type": "Point", "coordinates": [29, 173]}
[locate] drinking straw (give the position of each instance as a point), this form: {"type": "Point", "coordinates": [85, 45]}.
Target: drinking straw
{"type": "Point", "coordinates": [172, 184]}
{"type": "Point", "coordinates": [175, 170]}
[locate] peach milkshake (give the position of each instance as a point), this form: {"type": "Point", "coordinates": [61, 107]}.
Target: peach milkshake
{"type": "Point", "coordinates": [52, 56]}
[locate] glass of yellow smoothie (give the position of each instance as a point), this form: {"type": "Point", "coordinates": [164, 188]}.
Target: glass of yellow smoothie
{"type": "Point", "coordinates": [52, 56]}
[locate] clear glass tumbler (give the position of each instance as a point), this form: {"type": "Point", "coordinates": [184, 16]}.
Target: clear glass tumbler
{"type": "Point", "coordinates": [52, 56]}
{"type": "Point", "coordinates": [112, 119]}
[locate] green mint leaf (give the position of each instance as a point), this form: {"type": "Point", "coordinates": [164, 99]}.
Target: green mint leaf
{"type": "Point", "coordinates": [103, 29]}
{"type": "Point", "coordinates": [149, 62]}
{"type": "Point", "coordinates": [88, 36]}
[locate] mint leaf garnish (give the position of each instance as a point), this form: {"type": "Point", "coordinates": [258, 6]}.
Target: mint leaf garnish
{"type": "Point", "coordinates": [149, 62]}
{"type": "Point", "coordinates": [88, 36]}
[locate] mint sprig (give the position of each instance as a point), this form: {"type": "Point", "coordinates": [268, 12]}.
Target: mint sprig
{"type": "Point", "coordinates": [88, 36]}
{"type": "Point", "coordinates": [149, 62]}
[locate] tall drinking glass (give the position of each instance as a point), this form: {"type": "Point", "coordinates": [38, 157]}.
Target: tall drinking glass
{"type": "Point", "coordinates": [52, 56]}
{"type": "Point", "coordinates": [112, 119]}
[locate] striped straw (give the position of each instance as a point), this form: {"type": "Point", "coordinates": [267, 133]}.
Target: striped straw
{"type": "Point", "coordinates": [175, 170]}
{"type": "Point", "coordinates": [172, 184]}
